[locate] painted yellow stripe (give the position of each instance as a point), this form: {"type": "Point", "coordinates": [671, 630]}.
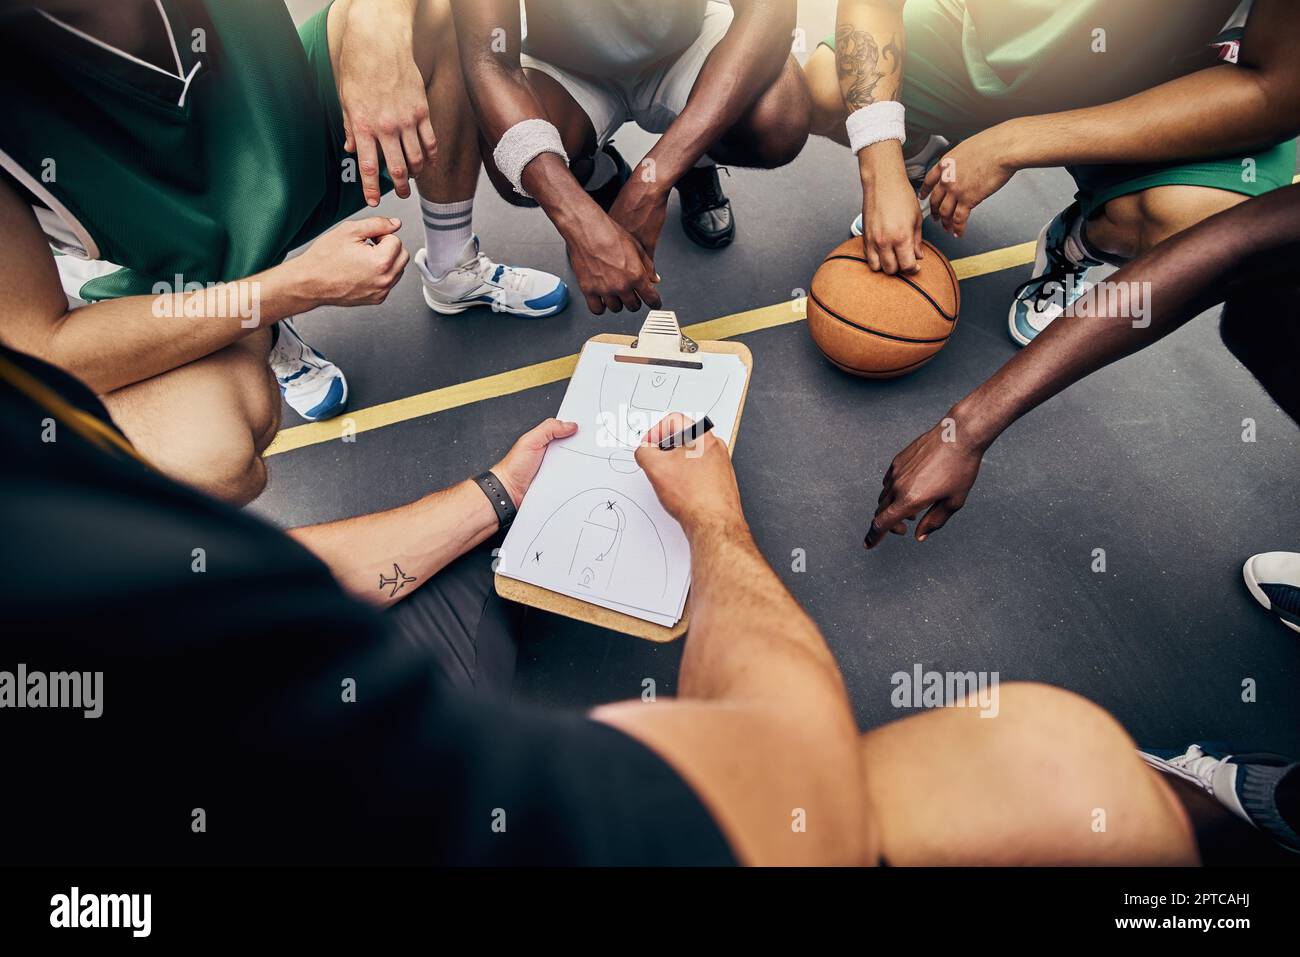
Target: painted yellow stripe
{"type": "Point", "coordinates": [557, 370]}
{"type": "Point", "coordinates": [981, 264]}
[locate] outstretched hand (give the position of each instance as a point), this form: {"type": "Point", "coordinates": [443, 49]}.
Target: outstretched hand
{"type": "Point", "coordinates": [968, 174]}
{"type": "Point", "coordinates": [933, 475]}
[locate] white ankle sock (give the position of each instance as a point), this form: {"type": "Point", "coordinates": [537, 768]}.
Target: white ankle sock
{"type": "Point", "coordinates": [1077, 245]}
{"type": "Point", "coordinates": [603, 169]}
{"type": "Point", "coordinates": [447, 228]}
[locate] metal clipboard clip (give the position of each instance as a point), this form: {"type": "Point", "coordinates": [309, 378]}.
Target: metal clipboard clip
{"type": "Point", "coordinates": [661, 343]}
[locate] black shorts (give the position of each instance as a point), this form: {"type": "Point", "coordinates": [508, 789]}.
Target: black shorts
{"type": "Point", "coordinates": [542, 787]}
{"type": "Point", "coordinates": [307, 728]}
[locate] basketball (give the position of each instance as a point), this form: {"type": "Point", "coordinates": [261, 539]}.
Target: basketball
{"type": "Point", "coordinates": [879, 326]}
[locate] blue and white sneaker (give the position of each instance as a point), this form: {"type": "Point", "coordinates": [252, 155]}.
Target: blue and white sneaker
{"type": "Point", "coordinates": [478, 281]}
{"type": "Point", "coordinates": [1274, 580]}
{"type": "Point", "coordinates": [1059, 278]}
{"type": "Point", "coordinates": [1246, 784]}
{"type": "Point", "coordinates": [917, 165]}
{"type": "Point", "coordinates": [311, 385]}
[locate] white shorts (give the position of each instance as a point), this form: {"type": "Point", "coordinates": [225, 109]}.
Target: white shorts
{"type": "Point", "coordinates": [651, 100]}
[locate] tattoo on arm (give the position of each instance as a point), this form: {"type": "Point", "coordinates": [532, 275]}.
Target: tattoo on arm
{"type": "Point", "coordinates": [396, 582]}
{"type": "Point", "coordinates": [863, 64]}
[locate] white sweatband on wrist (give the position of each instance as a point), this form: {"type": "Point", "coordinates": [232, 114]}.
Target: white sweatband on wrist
{"type": "Point", "coordinates": [522, 144]}
{"type": "Point", "coordinates": [875, 123]}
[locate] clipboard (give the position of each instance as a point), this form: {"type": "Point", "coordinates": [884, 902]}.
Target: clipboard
{"type": "Point", "coordinates": [660, 342]}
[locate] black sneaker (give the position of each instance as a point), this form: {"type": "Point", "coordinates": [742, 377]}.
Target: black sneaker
{"type": "Point", "coordinates": [706, 211]}
{"type": "Point", "coordinates": [606, 195]}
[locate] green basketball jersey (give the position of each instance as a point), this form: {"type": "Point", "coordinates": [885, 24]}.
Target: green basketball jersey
{"type": "Point", "coordinates": [208, 161]}
{"type": "Point", "coordinates": [1083, 52]}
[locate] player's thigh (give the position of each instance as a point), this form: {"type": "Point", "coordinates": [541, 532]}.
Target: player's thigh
{"type": "Point", "coordinates": [1155, 214]}
{"type": "Point", "coordinates": [459, 625]}
{"type": "Point", "coordinates": [207, 422]}
{"type": "Point", "coordinates": [784, 786]}
{"type": "Point", "coordinates": [1040, 776]}
{"type": "Point", "coordinates": [1133, 206]}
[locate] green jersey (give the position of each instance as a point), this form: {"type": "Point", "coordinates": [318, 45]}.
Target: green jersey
{"type": "Point", "coordinates": [209, 161]}
{"type": "Point", "coordinates": [1049, 55]}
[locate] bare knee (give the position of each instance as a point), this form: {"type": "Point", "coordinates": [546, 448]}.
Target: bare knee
{"type": "Point", "coordinates": [434, 43]}
{"type": "Point", "coordinates": [231, 469]}
{"type": "Point", "coordinates": [775, 130]}
{"type": "Point", "coordinates": [1071, 757]}
{"type": "Point", "coordinates": [264, 414]}
{"type": "Point", "coordinates": [781, 142]}
{"type": "Point", "coordinates": [228, 463]}
{"type": "Point", "coordinates": [435, 17]}
{"type": "Point", "coordinates": [1051, 779]}
{"type": "Point", "coordinates": [1036, 714]}
{"type": "Point", "coordinates": [237, 480]}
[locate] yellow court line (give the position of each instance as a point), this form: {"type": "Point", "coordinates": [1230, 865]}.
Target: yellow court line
{"type": "Point", "coordinates": [557, 370]}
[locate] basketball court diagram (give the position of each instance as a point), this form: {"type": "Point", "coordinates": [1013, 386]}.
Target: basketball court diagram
{"type": "Point", "coordinates": [632, 400]}
{"type": "Point", "coordinates": [600, 542]}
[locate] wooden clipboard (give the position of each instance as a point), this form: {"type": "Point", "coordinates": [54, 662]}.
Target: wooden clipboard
{"type": "Point", "coordinates": [660, 343]}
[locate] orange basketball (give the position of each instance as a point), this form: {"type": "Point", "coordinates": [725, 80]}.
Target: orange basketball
{"type": "Point", "coordinates": [879, 326]}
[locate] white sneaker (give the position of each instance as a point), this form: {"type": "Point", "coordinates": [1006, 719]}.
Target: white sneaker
{"type": "Point", "coordinates": [1059, 278]}
{"type": "Point", "coordinates": [1246, 784]}
{"type": "Point", "coordinates": [311, 385]}
{"type": "Point", "coordinates": [1205, 765]}
{"type": "Point", "coordinates": [478, 281]}
{"type": "Point", "coordinates": [1274, 581]}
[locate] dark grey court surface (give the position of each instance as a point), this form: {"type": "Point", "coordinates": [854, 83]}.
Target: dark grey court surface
{"type": "Point", "coordinates": [1144, 459]}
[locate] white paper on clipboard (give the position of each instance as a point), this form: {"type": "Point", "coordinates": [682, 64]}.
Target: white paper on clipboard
{"type": "Point", "coordinates": [591, 526]}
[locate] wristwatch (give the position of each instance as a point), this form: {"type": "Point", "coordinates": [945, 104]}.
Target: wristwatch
{"type": "Point", "coordinates": [496, 492]}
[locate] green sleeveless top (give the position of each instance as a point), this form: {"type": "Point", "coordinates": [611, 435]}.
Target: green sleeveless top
{"type": "Point", "coordinates": [212, 169]}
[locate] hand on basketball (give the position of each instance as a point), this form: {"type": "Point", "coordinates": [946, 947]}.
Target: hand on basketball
{"type": "Point", "coordinates": [891, 225]}
{"type": "Point", "coordinates": [385, 106]}
{"type": "Point", "coordinates": [932, 475]}
{"type": "Point", "coordinates": [612, 268]}
{"type": "Point", "coordinates": [695, 483]}
{"type": "Point", "coordinates": [967, 175]}
{"type": "Point", "coordinates": [357, 263]}
{"type": "Point", "coordinates": [518, 469]}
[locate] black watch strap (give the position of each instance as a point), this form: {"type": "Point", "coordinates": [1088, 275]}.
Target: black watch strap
{"type": "Point", "coordinates": [499, 497]}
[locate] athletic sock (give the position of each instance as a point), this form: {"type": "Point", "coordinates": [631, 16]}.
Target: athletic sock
{"type": "Point", "coordinates": [447, 228]}
{"type": "Point", "coordinates": [1077, 247]}
{"type": "Point", "coordinates": [704, 162]}
{"type": "Point", "coordinates": [603, 169]}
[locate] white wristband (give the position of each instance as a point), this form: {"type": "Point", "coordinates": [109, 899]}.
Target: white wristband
{"type": "Point", "coordinates": [874, 123]}
{"type": "Point", "coordinates": [522, 144]}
